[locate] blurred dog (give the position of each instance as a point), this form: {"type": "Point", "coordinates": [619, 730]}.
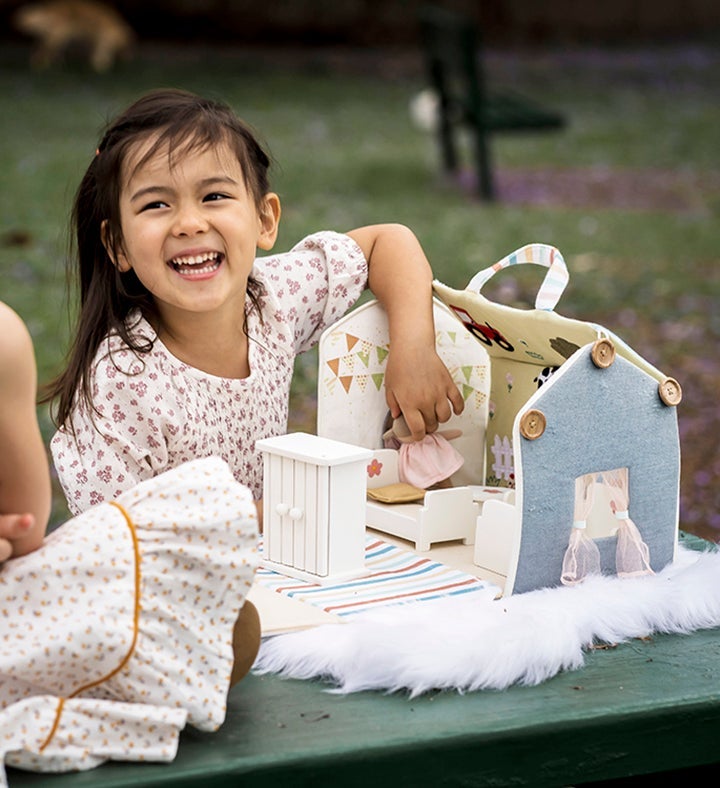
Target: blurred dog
{"type": "Point", "coordinates": [60, 25]}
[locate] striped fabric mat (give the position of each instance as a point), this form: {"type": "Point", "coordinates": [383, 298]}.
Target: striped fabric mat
{"type": "Point", "coordinates": [396, 576]}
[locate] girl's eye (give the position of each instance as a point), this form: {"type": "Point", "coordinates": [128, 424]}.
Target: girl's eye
{"type": "Point", "coordinates": [214, 196]}
{"type": "Point", "coordinates": [154, 205]}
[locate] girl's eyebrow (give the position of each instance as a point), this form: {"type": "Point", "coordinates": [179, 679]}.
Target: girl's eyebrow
{"type": "Point", "coordinates": [149, 190]}
{"type": "Point", "coordinates": [205, 183]}
{"type": "Point", "coordinates": [217, 179]}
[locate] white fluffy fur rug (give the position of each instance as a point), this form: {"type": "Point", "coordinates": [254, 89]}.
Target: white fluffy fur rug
{"type": "Point", "coordinates": [478, 643]}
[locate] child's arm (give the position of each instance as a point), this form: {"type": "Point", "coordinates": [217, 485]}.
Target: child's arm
{"type": "Point", "coordinates": [417, 383]}
{"type": "Point", "coordinates": [24, 476]}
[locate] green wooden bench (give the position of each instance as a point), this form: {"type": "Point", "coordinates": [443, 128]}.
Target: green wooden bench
{"type": "Point", "coordinates": [451, 45]}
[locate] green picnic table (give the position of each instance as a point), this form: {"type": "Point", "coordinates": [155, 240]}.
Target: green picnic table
{"type": "Point", "coordinates": [642, 707]}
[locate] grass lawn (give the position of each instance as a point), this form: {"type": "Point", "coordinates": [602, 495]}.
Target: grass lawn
{"type": "Point", "coordinates": [629, 192]}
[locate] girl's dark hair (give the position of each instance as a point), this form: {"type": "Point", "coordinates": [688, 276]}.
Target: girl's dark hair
{"type": "Point", "coordinates": [179, 122]}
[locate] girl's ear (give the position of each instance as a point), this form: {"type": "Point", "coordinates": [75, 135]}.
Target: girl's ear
{"type": "Point", "coordinates": [120, 261]}
{"type": "Point", "coordinates": [269, 221]}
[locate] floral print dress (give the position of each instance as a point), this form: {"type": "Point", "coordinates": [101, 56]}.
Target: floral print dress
{"type": "Point", "coordinates": [153, 412]}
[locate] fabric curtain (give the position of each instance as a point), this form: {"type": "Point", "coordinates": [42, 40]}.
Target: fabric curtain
{"type": "Point", "coordinates": [582, 557]}
{"type": "Point", "coordinates": [632, 555]}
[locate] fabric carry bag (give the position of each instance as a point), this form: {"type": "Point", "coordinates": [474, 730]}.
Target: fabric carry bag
{"type": "Point", "coordinates": [525, 346]}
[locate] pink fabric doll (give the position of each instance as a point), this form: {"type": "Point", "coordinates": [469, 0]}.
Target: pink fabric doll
{"type": "Point", "coordinates": [425, 463]}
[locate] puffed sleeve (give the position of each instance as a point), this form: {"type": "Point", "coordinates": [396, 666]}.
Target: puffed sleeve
{"type": "Point", "coordinates": [119, 442]}
{"type": "Point", "coordinates": [314, 284]}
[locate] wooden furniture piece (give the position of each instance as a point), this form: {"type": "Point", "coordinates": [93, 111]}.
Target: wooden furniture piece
{"type": "Point", "coordinates": [441, 516]}
{"type": "Point", "coordinates": [451, 46]}
{"type": "Point", "coordinates": [314, 507]}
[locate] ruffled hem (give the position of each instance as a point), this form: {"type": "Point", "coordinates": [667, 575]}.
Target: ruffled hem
{"type": "Point", "coordinates": [151, 586]}
{"type": "Point", "coordinates": [45, 734]}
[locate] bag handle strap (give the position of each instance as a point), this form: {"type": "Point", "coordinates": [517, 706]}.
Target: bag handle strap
{"type": "Point", "coordinates": [540, 254]}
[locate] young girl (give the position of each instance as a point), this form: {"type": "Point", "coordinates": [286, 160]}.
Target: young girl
{"type": "Point", "coordinates": [185, 342]}
{"type": "Point", "coordinates": [125, 622]}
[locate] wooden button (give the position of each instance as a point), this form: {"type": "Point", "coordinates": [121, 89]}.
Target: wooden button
{"type": "Point", "coordinates": [603, 353]}
{"type": "Point", "coordinates": [532, 424]}
{"type": "Point", "coordinates": [670, 391]}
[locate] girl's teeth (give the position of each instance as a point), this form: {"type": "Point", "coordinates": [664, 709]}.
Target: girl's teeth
{"type": "Point", "coordinates": [196, 259]}
{"type": "Point", "coordinates": [193, 269]}
{"type": "Point", "coordinates": [191, 265]}
{"type": "Point", "coordinates": [204, 270]}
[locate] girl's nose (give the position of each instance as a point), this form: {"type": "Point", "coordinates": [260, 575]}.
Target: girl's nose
{"type": "Point", "coordinates": [189, 221]}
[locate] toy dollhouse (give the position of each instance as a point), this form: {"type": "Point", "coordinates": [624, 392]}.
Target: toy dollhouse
{"type": "Point", "coordinates": [569, 438]}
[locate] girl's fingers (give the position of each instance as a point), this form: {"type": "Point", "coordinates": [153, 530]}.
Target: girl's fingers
{"type": "Point", "coordinates": [15, 526]}
{"type": "Point", "coordinates": [5, 550]}
{"type": "Point", "coordinates": [456, 399]}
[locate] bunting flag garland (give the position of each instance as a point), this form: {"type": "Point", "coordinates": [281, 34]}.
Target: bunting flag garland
{"type": "Point", "coordinates": [358, 353]}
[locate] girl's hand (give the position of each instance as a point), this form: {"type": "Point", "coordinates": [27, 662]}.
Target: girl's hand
{"type": "Point", "coordinates": [12, 528]}
{"type": "Point", "coordinates": [418, 385]}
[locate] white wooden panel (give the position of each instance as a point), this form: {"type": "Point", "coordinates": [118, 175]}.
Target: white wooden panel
{"type": "Point", "coordinates": [313, 525]}
{"type": "Point", "coordinates": [384, 467]}
{"type": "Point", "coordinates": [347, 518]}
{"type": "Point", "coordinates": [496, 539]}
{"type": "Point", "coordinates": [323, 519]}
{"type": "Point", "coordinates": [299, 525]}
{"type": "Point", "coordinates": [273, 521]}
{"type": "Point", "coordinates": [287, 501]}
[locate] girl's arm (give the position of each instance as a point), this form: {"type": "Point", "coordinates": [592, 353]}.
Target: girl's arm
{"type": "Point", "coordinates": [417, 383]}
{"type": "Point", "coordinates": [24, 475]}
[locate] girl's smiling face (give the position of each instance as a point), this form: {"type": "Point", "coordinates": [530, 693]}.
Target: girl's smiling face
{"type": "Point", "coordinates": [191, 229]}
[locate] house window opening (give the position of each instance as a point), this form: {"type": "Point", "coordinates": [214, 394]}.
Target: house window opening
{"type": "Point", "coordinates": [598, 505]}
{"type": "Point", "coordinates": [601, 510]}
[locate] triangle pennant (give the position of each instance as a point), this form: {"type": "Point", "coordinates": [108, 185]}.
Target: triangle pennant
{"type": "Point", "coordinates": [466, 391]}
{"type": "Point", "coordinates": [334, 365]}
{"type": "Point", "coordinates": [346, 380]}
{"type": "Point", "coordinates": [378, 379]}
{"type": "Point", "coordinates": [351, 341]}
{"type": "Point", "coordinates": [382, 353]}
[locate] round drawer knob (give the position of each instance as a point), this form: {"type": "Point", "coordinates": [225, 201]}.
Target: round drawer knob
{"type": "Point", "coordinates": [603, 353]}
{"type": "Point", "coordinates": [670, 391]}
{"type": "Point", "coordinates": [282, 509]}
{"type": "Point", "coordinates": [295, 513]}
{"type": "Point", "coordinates": [532, 424]}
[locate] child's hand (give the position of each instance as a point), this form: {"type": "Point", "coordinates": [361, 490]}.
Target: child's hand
{"type": "Point", "coordinates": [13, 527]}
{"type": "Point", "coordinates": [418, 385]}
